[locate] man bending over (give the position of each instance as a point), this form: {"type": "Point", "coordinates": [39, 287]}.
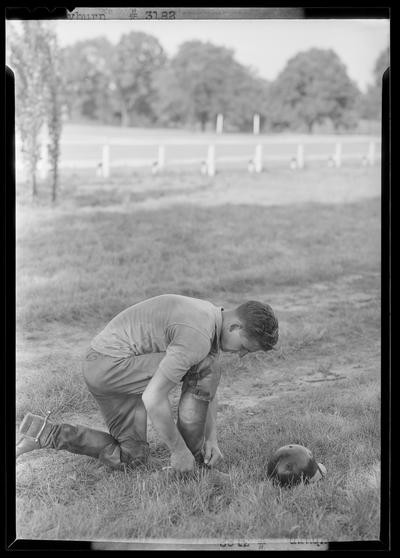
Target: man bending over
{"type": "Point", "coordinates": [135, 361]}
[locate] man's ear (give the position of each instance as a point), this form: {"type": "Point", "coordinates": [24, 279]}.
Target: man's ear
{"type": "Point", "coordinates": [234, 326]}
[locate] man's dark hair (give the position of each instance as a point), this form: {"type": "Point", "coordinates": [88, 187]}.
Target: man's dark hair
{"type": "Point", "coordinates": [259, 322]}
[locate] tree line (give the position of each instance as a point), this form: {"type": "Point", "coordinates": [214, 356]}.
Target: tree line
{"type": "Point", "coordinates": [135, 83]}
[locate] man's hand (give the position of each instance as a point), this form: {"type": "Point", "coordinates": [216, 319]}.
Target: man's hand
{"type": "Point", "coordinates": [211, 453]}
{"type": "Point", "coordinates": [182, 460]}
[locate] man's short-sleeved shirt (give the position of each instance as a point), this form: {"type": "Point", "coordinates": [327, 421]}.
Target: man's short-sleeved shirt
{"type": "Point", "coordinates": [186, 329]}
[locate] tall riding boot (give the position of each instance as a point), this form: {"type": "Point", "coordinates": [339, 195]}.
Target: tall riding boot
{"type": "Point", "coordinates": [38, 432]}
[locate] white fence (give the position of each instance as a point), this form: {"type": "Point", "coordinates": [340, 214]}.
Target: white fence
{"type": "Point", "coordinates": [258, 152]}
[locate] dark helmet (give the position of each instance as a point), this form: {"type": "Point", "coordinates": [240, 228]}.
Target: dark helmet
{"type": "Point", "coordinates": [292, 464]}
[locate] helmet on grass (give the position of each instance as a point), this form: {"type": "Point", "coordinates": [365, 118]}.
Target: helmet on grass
{"type": "Point", "coordinates": [292, 464]}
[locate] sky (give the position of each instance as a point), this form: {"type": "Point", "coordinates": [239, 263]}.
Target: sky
{"type": "Point", "coordinates": [264, 44]}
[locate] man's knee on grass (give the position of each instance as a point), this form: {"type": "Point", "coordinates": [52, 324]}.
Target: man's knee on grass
{"type": "Point", "coordinates": [130, 453]}
{"type": "Point", "coordinates": [134, 452]}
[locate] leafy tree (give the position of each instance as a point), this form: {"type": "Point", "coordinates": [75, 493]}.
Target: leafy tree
{"type": "Point", "coordinates": [372, 99]}
{"type": "Point", "coordinates": [381, 64]}
{"type": "Point", "coordinates": [249, 97]}
{"type": "Point", "coordinates": [172, 102]}
{"type": "Point", "coordinates": [89, 82]}
{"type": "Point", "coordinates": [203, 80]}
{"type": "Point", "coordinates": [201, 70]}
{"type": "Point", "coordinates": [32, 55]}
{"type": "Point", "coordinates": [313, 86]}
{"type": "Point", "coordinates": [137, 59]}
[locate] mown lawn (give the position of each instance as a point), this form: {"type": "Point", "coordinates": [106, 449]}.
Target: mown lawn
{"type": "Point", "coordinates": [65, 496]}
{"type": "Point", "coordinates": [78, 264]}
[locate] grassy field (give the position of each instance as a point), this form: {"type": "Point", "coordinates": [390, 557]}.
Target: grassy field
{"type": "Point", "coordinates": [309, 246]}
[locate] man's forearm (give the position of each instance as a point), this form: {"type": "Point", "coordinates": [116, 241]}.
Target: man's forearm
{"type": "Point", "coordinates": [211, 420]}
{"type": "Point", "coordinates": [161, 418]}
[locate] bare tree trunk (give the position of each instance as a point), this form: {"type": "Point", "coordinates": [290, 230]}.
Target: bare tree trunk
{"type": "Point", "coordinates": [54, 147]}
{"type": "Point", "coordinates": [34, 184]}
{"type": "Point", "coordinates": [54, 183]}
{"type": "Point", "coordinates": [33, 160]}
{"type": "Point", "coordinates": [124, 115]}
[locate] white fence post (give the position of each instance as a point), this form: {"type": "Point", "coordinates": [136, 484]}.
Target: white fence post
{"type": "Point", "coordinates": [300, 156]}
{"type": "Point", "coordinates": [258, 158]}
{"type": "Point", "coordinates": [338, 154]}
{"type": "Point", "coordinates": [161, 157]}
{"type": "Point", "coordinates": [106, 160]}
{"type": "Point", "coordinates": [220, 123]}
{"type": "Point", "coordinates": [256, 124]}
{"type": "Point", "coordinates": [371, 153]}
{"type": "Point", "coordinates": [211, 160]}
